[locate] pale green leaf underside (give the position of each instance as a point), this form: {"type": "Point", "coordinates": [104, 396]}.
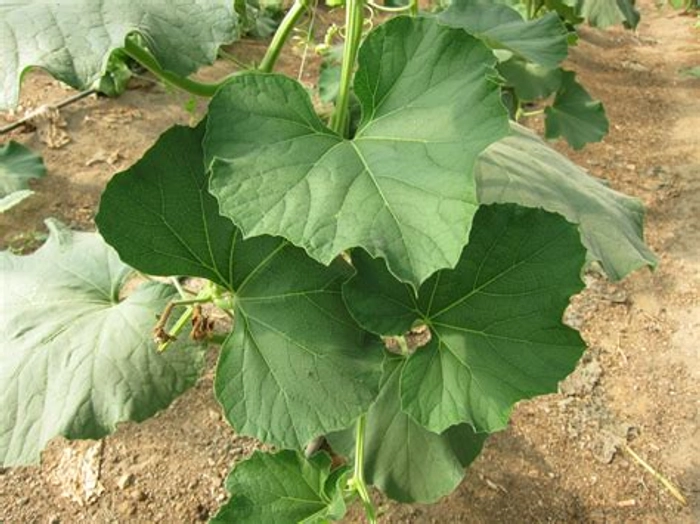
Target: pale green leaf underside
{"type": "Point", "coordinates": [604, 13]}
{"type": "Point", "coordinates": [522, 169]}
{"type": "Point", "coordinates": [281, 488]}
{"type": "Point", "coordinates": [402, 188]}
{"type": "Point", "coordinates": [73, 40]}
{"type": "Point", "coordinates": [542, 40]}
{"type": "Point", "coordinates": [406, 461]}
{"type": "Point", "coordinates": [497, 335]}
{"type": "Point", "coordinates": [575, 115]}
{"type": "Point", "coordinates": [75, 360]}
{"type": "Point", "coordinates": [296, 364]}
{"type": "Point", "coordinates": [18, 165]}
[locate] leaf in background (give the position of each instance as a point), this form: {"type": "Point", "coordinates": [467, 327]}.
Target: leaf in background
{"type": "Point", "coordinates": [283, 487]}
{"type": "Point", "coordinates": [524, 170]}
{"type": "Point", "coordinates": [406, 461]}
{"type": "Point", "coordinates": [401, 188]}
{"type": "Point", "coordinates": [74, 40]}
{"type": "Point", "coordinates": [604, 13]}
{"type": "Point", "coordinates": [574, 115]}
{"type": "Point", "coordinates": [75, 357]}
{"type": "Point", "coordinates": [296, 365]}
{"type": "Point", "coordinates": [18, 165]}
{"type": "Point", "coordinates": [530, 81]}
{"type": "Point", "coordinates": [495, 320]}
{"type": "Point", "coordinates": [543, 40]}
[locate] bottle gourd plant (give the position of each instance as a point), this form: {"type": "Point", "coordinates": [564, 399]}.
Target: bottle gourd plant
{"type": "Point", "coordinates": [396, 279]}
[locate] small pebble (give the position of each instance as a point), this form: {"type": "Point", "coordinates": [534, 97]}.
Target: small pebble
{"type": "Point", "coordinates": [125, 481]}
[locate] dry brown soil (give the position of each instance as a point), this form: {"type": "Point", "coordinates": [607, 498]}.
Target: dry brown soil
{"type": "Point", "coordinates": [564, 457]}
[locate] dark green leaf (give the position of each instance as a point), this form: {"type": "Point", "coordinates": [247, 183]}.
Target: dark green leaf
{"type": "Point", "coordinates": [296, 365]}
{"type": "Point", "coordinates": [408, 462]}
{"type": "Point", "coordinates": [283, 487]}
{"type": "Point", "coordinates": [543, 40]}
{"type": "Point", "coordinates": [74, 40]}
{"type": "Point", "coordinates": [160, 217]}
{"type": "Point", "coordinates": [530, 81]}
{"type": "Point", "coordinates": [495, 319]}
{"type": "Point", "coordinates": [402, 188]}
{"type": "Point", "coordinates": [75, 357]}
{"type": "Point", "coordinates": [522, 169]}
{"type": "Point", "coordinates": [575, 115]}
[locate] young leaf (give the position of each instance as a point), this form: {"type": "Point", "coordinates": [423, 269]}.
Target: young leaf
{"type": "Point", "coordinates": [402, 188]}
{"type": "Point", "coordinates": [296, 365]}
{"type": "Point", "coordinates": [524, 170]}
{"type": "Point", "coordinates": [283, 487]}
{"type": "Point", "coordinates": [543, 40]}
{"type": "Point", "coordinates": [406, 461]}
{"type": "Point", "coordinates": [73, 40]}
{"type": "Point", "coordinates": [18, 165]}
{"type": "Point", "coordinates": [76, 358]}
{"type": "Point", "coordinates": [575, 115]}
{"type": "Point", "coordinates": [495, 320]}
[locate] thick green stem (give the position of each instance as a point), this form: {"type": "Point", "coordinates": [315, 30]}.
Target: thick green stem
{"type": "Point", "coordinates": [281, 35]}
{"type": "Point", "coordinates": [413, 8]}
{"type": "Point", "coordinates": [357, 482]}
{"type": "Point", "coordinates": [353, 35]}
{"type": "Point", "coordinates": [144, 58]}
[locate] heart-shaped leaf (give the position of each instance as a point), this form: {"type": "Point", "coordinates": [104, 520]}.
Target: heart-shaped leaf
{"type": "Point", "coordinates": [73, 40]}
{"type": "Point", "coordinates": [406, 461]}
{"type": "Point", "coordinates": [402, 188]}
{"type": "Point", "coordinates": [296, 365]}
{"type": "Point", "coordinates": [75, 357]}
{"type": "Point", "coordinates": [575, 115]}
{"type": "Point", "coordinates": [524, 170]}
{"type": "Point", "coordinates": [542, 40]}
{"type": "Point", "coordinates": [497, 335]}
{"type": "Point", "coordinates": [18, 165]}
{"type": "Point", "coordinates": [283, 487]}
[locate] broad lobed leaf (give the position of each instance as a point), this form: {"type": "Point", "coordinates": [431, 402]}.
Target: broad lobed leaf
{"type": "Point", "coordinates": [402, 458]}
{"type": "Point", "coordinates": [76, 358]}
{"type": "Point", "coordinates": [296, 364]}
{"type": "Point", "coordinates": [542, 40]}
{"type": "Point", "coordinates": [497, 335]}
{"type": "Point", "coordinates": [401, 188]}
{"type": "Point", "coordinates": [283, 487]}
{"type": "Point", "coordinates": [73, 40]}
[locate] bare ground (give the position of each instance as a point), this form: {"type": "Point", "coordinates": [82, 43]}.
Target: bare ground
{"type": "Point", "coordinates": [565, 457]}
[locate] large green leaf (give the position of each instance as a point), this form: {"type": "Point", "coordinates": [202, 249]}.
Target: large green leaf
{"type": "Point", "coordinates": [497, 335]}
{"type": "Point", "coordinates": [73, 40]}
{"type": "Point", "coordinates": [296, 365]}
{"type": "Point", "coordinates": [76, 358]}
{"type": "Point", "coordinates": [522, 169]}
{"type": "Point", "coordinates": [402, 188]}
{"type": "Point", "coordinates": [542, 40]}
{"type": "Point", "coordinates": [283, 487]}
{"type": "Point", "coordinates": [604, 13]}
{"type": "Point", "coordinates": [18, 165]}
{"type": "Point", "coordinates": [160, 217]}
{"type": "Point", "coordinates": [408, 462]}
{"type": "Point", "coordinates": [574, 115]}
